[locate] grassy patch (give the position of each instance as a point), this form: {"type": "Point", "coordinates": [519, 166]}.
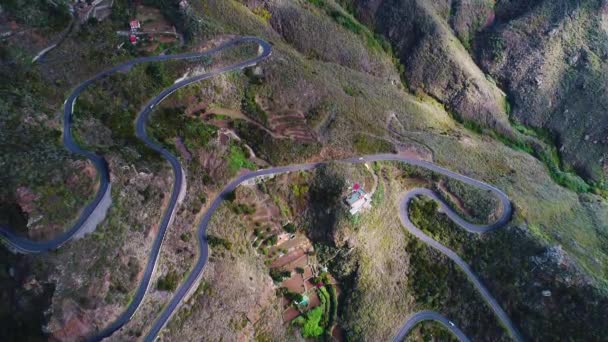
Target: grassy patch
{"type": "Point", "coordinates": [517, 269]}
{"type": "Point", "coordinates": [237, 159]}
{"type": "Point", "coordinates": [366, 144]}
{"type": "Point", "coordinates": [250, 106]}
{"type": "Point", "coordinates": [216, 241]}
{"type": "Point", "coordinates": [430, 331]}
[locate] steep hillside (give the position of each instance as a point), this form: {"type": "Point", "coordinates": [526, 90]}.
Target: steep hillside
{"type": "Point", "coordinates": [552, 59]}
{"type": "Point", "coordinates": [330, 89]}
{"type": "Point", "coordinates": [435, 61]}
{"type": "Point", "coordinates": [549, 57]}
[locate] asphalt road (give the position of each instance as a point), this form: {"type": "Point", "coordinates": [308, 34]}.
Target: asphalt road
{"type": "Point", "coordinates": [429, 316]}
{"type": "Point", "coordinates": [28, 246]}
{"type": "Point", "coordinates": [140, 129]}
{"type": "Point", "coordinates": [25, 245]}
{"type": "Point", "coordinates": [192, 279]}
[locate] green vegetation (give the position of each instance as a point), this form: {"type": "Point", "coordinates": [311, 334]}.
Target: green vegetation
{"type": "Point", "coordinates": [292, 296]}
{"type": "Point", "coordinates": [215, 242]}
{"type": "Point", "coordinates": [187, 21]}
{"type": "Point", "coordinates": [320, 320]}
{"type": "Point", "coordinates": [262, 13]}
{"type": "Point", "coordinates": [23, 317]}
{"type": "Point", "coordinates": [311, 326]}
{"type": "Point", "coordinates": [168, 282]}
{"type": "Point", "coordinates": [333, 303]}
{"type": "Point", "coordinates": [271, 241]}
{"type": "Point", "coordinates": [430, 331]}
{"type": "Point", "coordinates": [250, 106]}
{"type": "Point", "coordinates": [242, 208]}
{"type": "Point", "coordinates": [299, 190]}
{"type": "Point", "coordinates": [378, 196]}
{"type": "Point", "coordinates": [480, 204]}
{"type": "Point", "coordinates": [185, 236]}
{"type": "Point", "coordinates": [325, 200]}
{"type": "Point", "coordinates": [39, 13]}
{"type": "Point", "coordinates": [275, 151]}
{"type": "Point", "coordinates": [167, 123]}
{"type": "Point", "coordinates": [550, 157]}
{"type": "Point", "coordinates": [516, 268]}
{"type": "Point", "coordinates": [237, 159]}
{"type": "Point", "coordinates": [278, 275]}
{"type": "Point", "coordinates": [290, 227]}
{"type": "Point", "coordinates": [347, 21]}
{"type": "Point", "coordinates": [365, 144]}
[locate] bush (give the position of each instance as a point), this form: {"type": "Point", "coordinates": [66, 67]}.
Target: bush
{"type": "Point", "coordinates": [185, 237]}
{"type": "Point", "coordinates": [294, 296]}
{"type": "Point", "coordinates": [168, 282]}
{"type": "Point", "coordinates": [215, 241]}
{"type": "Point", "coordinates": [290, 228]}
{"type": "Point", "coordinates": [241, 208]}
{"type": "Point", "coordinates": [251, 107]}
{"type": "Point", "coordinates": [333, 311]}
{"type": "Point", "coordinates": [311, 327]}
{"type": "Point", "coordinates": [231, 196]}
{"type": "Point", "coordinates": [272, 240]}
{"type": "Point", "coordinates": [278, 275]}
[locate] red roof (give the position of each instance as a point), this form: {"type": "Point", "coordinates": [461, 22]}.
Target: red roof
{"type": "Point", "coordinates": [356, 186]}
{"type": "Point", "coordinates": [132, 38]}
{"type": "Point", "coordinates": [134, 24]}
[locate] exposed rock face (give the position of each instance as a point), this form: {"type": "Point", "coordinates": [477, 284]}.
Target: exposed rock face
{"type": "Point", "coordinates": [435, 60]}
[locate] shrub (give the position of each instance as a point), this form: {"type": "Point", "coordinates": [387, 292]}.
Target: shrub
{"type": "Point", "coordinates": [168, 282]}
{"type": "Point", "coordinates": [290, 228]}
{"type": "Point", "coordinates": [215, 241]}
{"type": "Point", "coordinates": [311, 327]}
{"type": "Point", "coordinates": [185, 237]}
{"type": "Point", "coordinates": [251, 107]}
{"type": "Point", "coordinates": [278, 275]}
{"type": "Point", "coordinates": [231, 196]}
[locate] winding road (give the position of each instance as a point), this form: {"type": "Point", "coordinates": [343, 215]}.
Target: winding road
{"type": "Point", "coordinates": [192, 280]}
{"type": "Point", "coordinates": [429, 316]}
{"type": "Point", "coordinates": [28, 246]}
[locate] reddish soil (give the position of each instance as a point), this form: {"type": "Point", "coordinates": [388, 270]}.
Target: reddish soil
{"type": "Point", "coordinates": [338, 334]}
{"type": "Point", "coordinates": [290, 314]}
{"type": "Point", "coordinates": [414, 151]}
{"type": "Point", "coordinates": [313, 300]}
{"type": "Point", "coordinates": [294, 284]}
{"type": "Point", "coordinates": [288, 258]}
